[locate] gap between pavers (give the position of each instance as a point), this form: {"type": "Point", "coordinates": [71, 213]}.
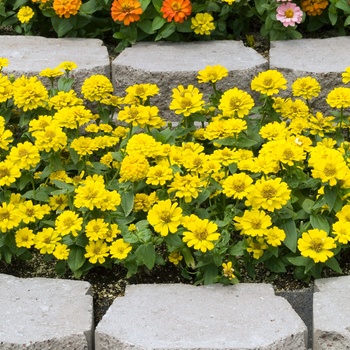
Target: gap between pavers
{"type": "Point", "coordinates": [45, 314]}
{"type": "Point", "coordinates": [178, 316]}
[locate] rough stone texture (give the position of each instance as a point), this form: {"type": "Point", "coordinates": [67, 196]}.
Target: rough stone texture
{"type": "Point", "coordinates": [171, 64]}
{"type": "Point", "coordinates": [176, 316]}
{"type": "Point", "coordinates": [29, 55]}
{"type": "Point", "coordinates": [323, 59]}
{"type": "Point", "coordinates": [332, 314]}
{"type": "Point", "coordinates": [45, 314]}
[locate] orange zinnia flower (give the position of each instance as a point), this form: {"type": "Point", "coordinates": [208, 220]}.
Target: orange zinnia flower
{"type": "Point", "coordinates": [176, 10]}
{"type": "Point", "coordinates": [126, 11]}
{"type": "Point", "coordinates": [313, 7]}
{"type": "Point", "coordinates": [66, 8]}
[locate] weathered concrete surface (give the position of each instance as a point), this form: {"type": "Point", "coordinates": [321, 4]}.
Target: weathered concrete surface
{"type": "Point", "coordinates": [28, 55]}
{"type": "Point", "coordinates": [323, 59]}
{"type": "Point", "coordinates": [45, 314]}
{"type": "Point", "coordinates": [176, 316]}
{"type": "Point", "coordinates": [171, 64]}
{"type": "Point", "coordinates": [332, 314]}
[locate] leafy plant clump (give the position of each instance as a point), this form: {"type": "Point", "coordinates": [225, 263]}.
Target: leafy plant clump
{"type": "Point", "coordinates": [130, 21]}
{"type": "Point", "coordinates": [104, 179]}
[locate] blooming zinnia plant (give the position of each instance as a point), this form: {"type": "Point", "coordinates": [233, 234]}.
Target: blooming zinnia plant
{"type": "Point", "coordinates": [102, 179]}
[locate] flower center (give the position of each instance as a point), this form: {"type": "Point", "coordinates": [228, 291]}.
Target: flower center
{"type": "Point", "coordinates": [186, 102]}
{"type": "Point", "coordinates": [317, 245]}
{"type": "Point", "coordinates": [235, 103]}
{"type": "Point", "coordinates": [22, 152]}
{"type": "Point", "coordinates": [329, 170]}
{"type": "Point", "coordinates": [288, 154]}
{"type": "Point", "coordinates": [175, 6]}
{"type": "Point", "coordinates": [268, 82]}
{"type": "Point", "coordinates": [289, 13]}
{"type": "Point", "coordinates": [238, 187]}
{"type": "Point", "coordinates": [165, 216]}
{"type": "Point", "coordinates": [201, 235]}
{"type": "Point", "coordinates": [269, 192]}
{"type": "Point", "coordinates": [5, 215]}
{"type": "Point", "coordinates": [256, 224]}
{"type": "Point", "coordinates": [4, 172]}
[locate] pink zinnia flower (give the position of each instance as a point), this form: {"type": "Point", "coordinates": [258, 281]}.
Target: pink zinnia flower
{"type": "Point", "coordinates": [289, 14]}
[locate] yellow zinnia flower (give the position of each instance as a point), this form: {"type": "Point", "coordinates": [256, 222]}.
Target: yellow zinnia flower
{"type": "Point", "coordinates": [201, 234]}
{"type": "Point", "coordinates": [165, 217]}
{"type": "Point", "coordinates": [270, 194]}
{"type": "Point", "coordinates": [269, 82]}
{"type": "Point", "coordinates": [235, 102]}
{"type": "Point", "coordinates": [316, 245]}
{"type": "Point", "coordinates": [212, 74]}
{"type": "Point", "coordinates": [25, 14]}
{"type": "Point", "coordinates": [253, 223]}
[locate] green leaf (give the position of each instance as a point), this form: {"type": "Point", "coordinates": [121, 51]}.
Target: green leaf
{"type": "Point", "coordinates": [158, 23]}
{"type": "Point", "coordinates": [275, 265]}
{"type": "Point", "coordinates": [24, 180]}
{"type": "Point", "coordinates": [189, 260]}
{"type": "Point", "coordinates": [19, 3]}
{"type": "Point", "coordinates": [333, 15]}
{"type": "Point", "coordinates": [74, 155]}
{"type": "Point", "coordinates": [213, 7]}
{"type": "Point", "coordinates": [146, 26]}
{"type": "Point", "coordinates": [330, 194]}
{"type": "Point", "coordinates": [132, 268]}
{"type": "Point", "coordinates": [203, 196]}
{"type": "Point", "coordinates": [65, 84]}
{"type": "Point", "coordinates": [61, 25]}
{"type": "Point", "coordinates": [210, 273]}
{"type": "Point", "coordinates": [147, 254]}
{"type": "Point", "coordinates": [61, 267]}
{"type": "Point", "coordinates": [319, 222]}
{"type": "Point", "coordinates": [307, 205]}
{"type": "Point", "coordinates": [144, 4]}
{"type": "Point", "coordinates": [127, 201]}
{"type": "Point", "coordinates": [238, 249]}
{"type": "Point", "coordinates": [259, 5]}
{"type": "Point", "coordinates": [174, 242]}
{"type": "Point", "coordinates": [41, 194]}
{"type": "Point", "coordinates": [343, 5]}
{"type": "Point", "coordinates": [244, 142]}
{"type": "Point", "coordinates": [298, 260]}
{"type": "Point", "coordinates": [89, 7]}
{"type": "Point", "coordinates": [63, 185]}
{"type": "Point", "coordinates": [76, 258]}
{"type": "Point", "coordinates": [333, 264]}
{"type": "Point", "coordinates": [167, 30]}
{"type": "Point", "coordinates": [290, 229]}
{"type": "Point", "coordinates": [347, 21]}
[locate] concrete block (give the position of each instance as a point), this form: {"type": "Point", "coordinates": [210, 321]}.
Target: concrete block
{"type": "Point", "coordinates": [323, 59]}
{"type": "Point", "coordinates": [28, 55]}
{"type": "Point", "coordinates": [171, 64]}
{"type": "Point", "coordinates": [177, 316]}
{"type": "Point", "coordinates": [45, 314]}
{"type": "Point", "coordinates": [331, 314]}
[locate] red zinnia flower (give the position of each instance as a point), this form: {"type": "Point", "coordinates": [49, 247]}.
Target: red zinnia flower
{"type": "Point", "coordinates": [126, 11]}
{"type": "Point", "coordinates": [176, 10]}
